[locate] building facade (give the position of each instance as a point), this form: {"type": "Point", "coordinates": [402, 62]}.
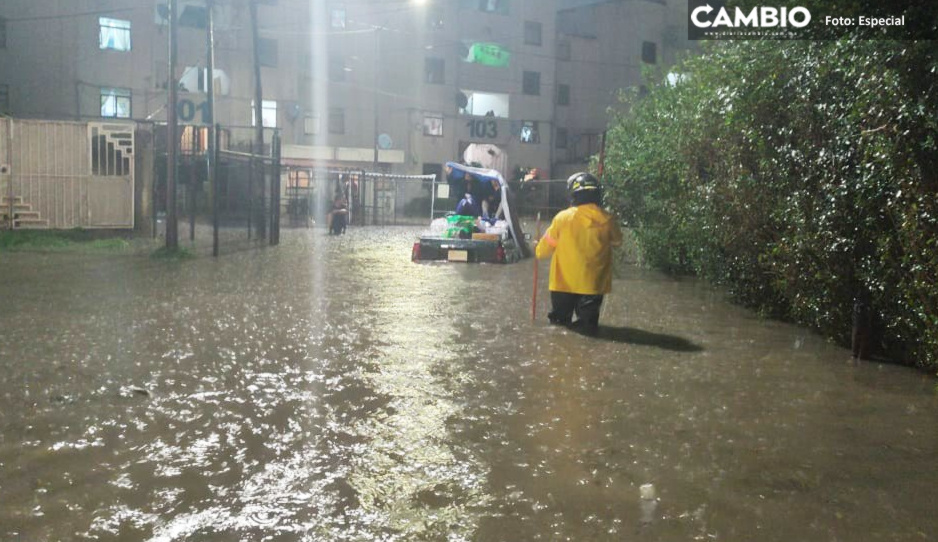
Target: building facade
{"type": "Point", "coordinates": [604, 46]}
{"type": "Point", "coordinates": [400, 86]}
{"type": "Point", "coordinates": [421, 82]}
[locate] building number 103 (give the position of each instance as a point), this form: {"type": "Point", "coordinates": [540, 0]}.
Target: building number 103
{"type": "Point", "coordinates": [483, 129]}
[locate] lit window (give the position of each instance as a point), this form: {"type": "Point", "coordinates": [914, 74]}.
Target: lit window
{"type": "Point", "coordinates": [433, 125]}
{"type": "Point", "coordinates": [529, 132]}
{"type": "Point", "coordinates": [268, 114]}
{"type": "Point", "coordinates": [195, 79]}
{"type": "Point", "coordinates": [337, 18]}
{"type": "Point", "coordinates": [532, 83]}
{"type": "Point", "coordinates": [115, 103]}
{"type": "Point", "coordinates": [532, 33]}
{"type": "Point", "coordinates": [482, 104]}
{"type": "Point", "coordinates": [311, 125]}
{"type": "Point", "coordinates": [115, 34]}
{"type": "Point", "coordinates": [494, 6]}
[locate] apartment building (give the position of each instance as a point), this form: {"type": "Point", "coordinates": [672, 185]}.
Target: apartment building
{"type": "Point", "coordinates": [602, 47]}
{"type": "Point", "coordinates": [400, 85]}
{"type": "Point", "coordinates": [421, 82]}
{"type": "Point", "coordinates": [428, 82]}
{"type": "Point", "coordinates": [107, 59]}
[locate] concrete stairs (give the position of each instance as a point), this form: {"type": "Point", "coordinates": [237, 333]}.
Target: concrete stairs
{"type": "Point", "coordinates": [24, 218]}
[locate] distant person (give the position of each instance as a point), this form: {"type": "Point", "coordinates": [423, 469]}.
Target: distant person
{"type": "Point", "coordinates": [468, 206]}
{"type": "Point", "coordinates": [580, 241]}
{"type": "Point", "coordinates": [338, 216]}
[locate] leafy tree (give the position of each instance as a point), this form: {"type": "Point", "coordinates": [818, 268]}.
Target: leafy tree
{"type": "Point", "coordinates": [801, 174]}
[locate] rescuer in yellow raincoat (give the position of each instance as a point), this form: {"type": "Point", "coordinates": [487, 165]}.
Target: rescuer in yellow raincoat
{"type": "Point", "coordinates": [580, 239]}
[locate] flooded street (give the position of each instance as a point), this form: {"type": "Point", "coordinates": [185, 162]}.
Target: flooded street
{"type": "Point", "coordinates": [330, 389]}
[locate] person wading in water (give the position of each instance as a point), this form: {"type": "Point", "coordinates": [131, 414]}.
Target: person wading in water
{"type": "Point", "coordinates": [579, 241]}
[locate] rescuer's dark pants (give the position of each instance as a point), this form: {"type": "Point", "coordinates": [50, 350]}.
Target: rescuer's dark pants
{"type": "Point", "coordinates": [586, 307]}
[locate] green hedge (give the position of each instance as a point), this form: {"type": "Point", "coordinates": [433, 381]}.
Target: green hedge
{"type": "Point", "coordinates": [802, 175]}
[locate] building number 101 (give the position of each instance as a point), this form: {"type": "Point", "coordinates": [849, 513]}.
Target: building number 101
{"type": "Point", "coordinates": [186, 111]}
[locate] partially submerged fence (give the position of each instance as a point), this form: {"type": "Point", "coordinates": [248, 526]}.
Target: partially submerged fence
{"type": "Point", "coordinates": [374, 199]}
{"type": "Point", "coordinates": [64, 175]}
{"type": "Point", "coordinates": [246, 195]}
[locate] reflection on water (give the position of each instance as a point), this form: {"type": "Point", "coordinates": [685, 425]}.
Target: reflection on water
{"type": "Point", "coordinates": [330, 389]}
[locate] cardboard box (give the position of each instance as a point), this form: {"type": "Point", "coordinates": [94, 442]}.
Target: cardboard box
{"type": "Point", "coordinates": [485, 236]}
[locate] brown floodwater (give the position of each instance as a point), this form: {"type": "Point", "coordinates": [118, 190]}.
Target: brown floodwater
{"type": "Point", "coordinates": [331, 390]}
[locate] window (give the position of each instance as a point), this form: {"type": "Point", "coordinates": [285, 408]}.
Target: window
{"type": "Point", "coordinates": [188, 16]}
{"type": "Point", "coordinates": [115, 103]}
{"type": "Point", "coordinates": [336, 120]}
{"type": "Point", "coordinates": [337, 17]}
{"type": "Point", "coordinates": [563, 50]}
{"type": "Point", "coordinates": [115, 34]}
{"type": "Point", "coordinates": [483, 104]}
{"type": "Point", "coordinates": [433, 124]}
{"type": "Point", "coordinates": [336, 69]}
{"type": "Point", "coordinates": [267, 50]}
{"type": "Point", "coordinates": [3, 33]}
{"type": "Point", "coordinates": [434, 71]}
{"type": "Point", "coordinates": [194, 17]}
{"type": "Point", "coordinates": [435, 18]}
{"type": "Point", "coordinates": [532, 33]}
{"type": "Point", "coordinates": [5, 99]}
{"type": "Point", "coordinates": [561, 142]}
{"type": "Point", "coordinates": [494, 6]}
{"type": "Point", "coordinates": [311, 124]}
{"type": "Point", "coordinates": [195, 79]}
{"type": "Point", "coordinates": [563, 94]}
{"type": "Point", "coordinates": [532, 83]}
{"type": "Point", "coordinates": [649, 52]}
{"type": "Point", "coordinates": [268, 114]}
{"type": "Point", "coordinates": [529, 132]}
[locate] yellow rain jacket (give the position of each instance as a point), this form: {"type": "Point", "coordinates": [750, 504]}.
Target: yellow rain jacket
{"type": "Point", "coordinates": [580, 239]}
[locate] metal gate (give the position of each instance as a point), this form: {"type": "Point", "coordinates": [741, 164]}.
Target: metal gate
{"type": "Point", "coordinates": [63, 175]}
{"type": "Point", "coordinates": [393, 200]}
{"type": "Point", "coordinates": [375, 199]}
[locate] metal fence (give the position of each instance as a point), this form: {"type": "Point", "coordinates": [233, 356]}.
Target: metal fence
{"type": "Point", "coordinates": [63, 175]}
{"type": "Point", "coordinates": [374, 199]}
{"type": "Point", "coordinates": [247, 181]}
{"type": "Point", "coordinates": [547, 198]}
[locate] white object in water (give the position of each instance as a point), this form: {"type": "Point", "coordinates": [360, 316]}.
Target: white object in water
{"type": "Point", "coordinates": [647, 492]}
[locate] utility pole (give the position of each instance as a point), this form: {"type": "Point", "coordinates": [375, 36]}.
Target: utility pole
{"type": "Point", "coordinates": [258, 121]}
{"type": "Point", "coordinates": [172, 228]}
{"type": "Point", "coordinates": [374, 142]}
{"type": "Point", "coordinates": [210, 156]}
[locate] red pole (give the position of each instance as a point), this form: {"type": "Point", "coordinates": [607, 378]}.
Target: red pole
{"type": "Point", "coordinates": [534, 294]}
